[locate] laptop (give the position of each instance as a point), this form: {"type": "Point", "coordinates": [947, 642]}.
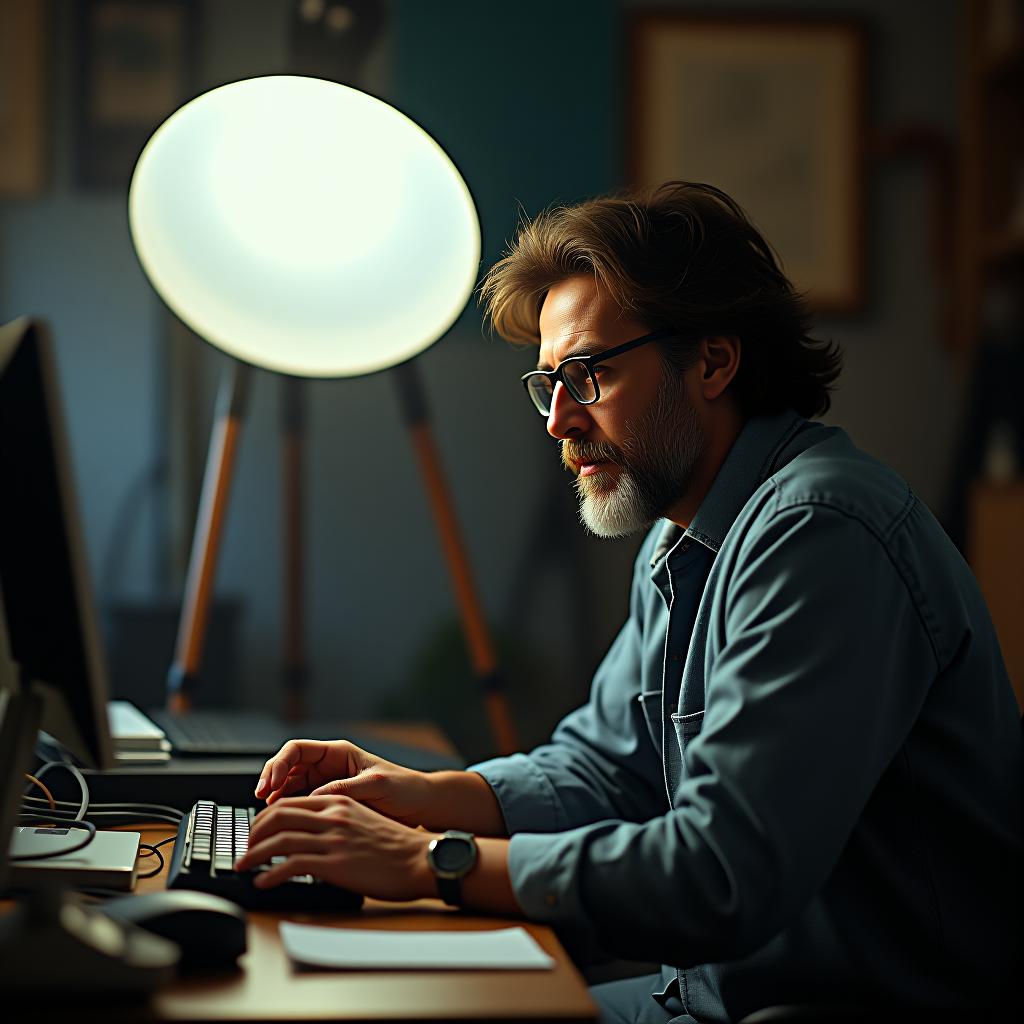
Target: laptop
{"type": "Point", "coordinates": [238, 733]}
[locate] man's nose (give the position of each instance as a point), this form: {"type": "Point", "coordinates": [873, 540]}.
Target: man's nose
{"type": "Point", "coordinates": [567, 417]}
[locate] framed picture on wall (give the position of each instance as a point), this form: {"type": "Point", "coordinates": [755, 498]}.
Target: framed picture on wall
{"type": "Point", "coordinates": [772, 112]}
{"type": "Point", "coordinates": [136, 64]}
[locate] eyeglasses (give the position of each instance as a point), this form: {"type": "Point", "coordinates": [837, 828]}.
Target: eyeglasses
{"type": "Point", "coordinates": [577, 373]}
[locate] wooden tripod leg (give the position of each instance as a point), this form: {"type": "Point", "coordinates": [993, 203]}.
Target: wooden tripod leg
{"type": "Point", "coordinates": [202, 565]}
{"type": "Point", "coordinates": [478, 638]}
{"type": "Point", "coordinates": [293, 432]}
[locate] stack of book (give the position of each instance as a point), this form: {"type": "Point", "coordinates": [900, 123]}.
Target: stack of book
{"type": "Point", "coordinates": [136, 738]}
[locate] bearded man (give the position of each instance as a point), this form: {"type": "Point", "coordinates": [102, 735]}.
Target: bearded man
{"type": "Point", "coordinates": [798, 778]}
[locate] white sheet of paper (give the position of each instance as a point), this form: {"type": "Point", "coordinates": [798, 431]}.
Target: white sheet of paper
{"type": "Point", "coordinates": [505, 949]}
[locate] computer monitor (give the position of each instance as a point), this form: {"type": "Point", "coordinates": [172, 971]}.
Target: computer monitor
{"type": "Point", "coordinates": [52, 675]}
{"type": "Point", "coordinates": [51, 623]}
{"type": "Point", "coordinates": [20, 712]}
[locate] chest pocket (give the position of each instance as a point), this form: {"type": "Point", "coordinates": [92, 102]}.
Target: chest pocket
{"type": "Point", "coordinates": [687, 726]}
{"type": "Point", "coordinates": [650, 707]}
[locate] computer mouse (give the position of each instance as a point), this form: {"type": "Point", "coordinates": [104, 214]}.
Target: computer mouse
{"type": "Point", "coordinates": [209, 929]}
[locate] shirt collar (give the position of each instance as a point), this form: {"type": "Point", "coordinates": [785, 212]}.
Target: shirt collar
{"type": "Point", "coordinates": [754, 456]}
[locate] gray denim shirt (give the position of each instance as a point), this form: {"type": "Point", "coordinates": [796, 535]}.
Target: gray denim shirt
{"type": "Point", "coordinates": [799, 774]}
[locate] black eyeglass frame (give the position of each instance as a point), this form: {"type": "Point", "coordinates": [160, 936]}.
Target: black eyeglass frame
{"type": "Point", "coordinates": [558, 373]}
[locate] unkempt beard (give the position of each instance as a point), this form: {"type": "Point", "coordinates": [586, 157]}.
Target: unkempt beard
{"type": "Point", "coordinates": [655, 464]}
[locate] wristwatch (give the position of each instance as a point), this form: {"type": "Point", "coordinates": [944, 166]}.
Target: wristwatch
{"type": "Point", "coordinates": [451, 858]}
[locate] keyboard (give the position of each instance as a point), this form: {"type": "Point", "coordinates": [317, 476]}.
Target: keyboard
{"type": "Point", "coordinates": [212, 837]}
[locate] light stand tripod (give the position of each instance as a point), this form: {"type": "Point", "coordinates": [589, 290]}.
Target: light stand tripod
{"type": "Point", "coordinates": [231, 407]}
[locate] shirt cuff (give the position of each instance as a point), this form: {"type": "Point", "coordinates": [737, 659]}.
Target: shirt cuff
{"type": "Point", "coordinates": [543, 870]}
{"type": "Point", "coordinates": [525, 794]}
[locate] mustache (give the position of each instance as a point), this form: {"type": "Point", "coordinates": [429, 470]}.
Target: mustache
{"type": "Point", "coordinates": [575, 453]}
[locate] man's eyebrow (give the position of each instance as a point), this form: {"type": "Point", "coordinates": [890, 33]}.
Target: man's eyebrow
{"type": "Point", "coordinates": [580, 348]}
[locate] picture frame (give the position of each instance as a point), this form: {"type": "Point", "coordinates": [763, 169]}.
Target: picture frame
{"type": "Point", "coordinates": [24, 53]}
{"type": "Point", "coordinates": [772, 112]}
{"type": "Point", "coordinates": [136, 64]}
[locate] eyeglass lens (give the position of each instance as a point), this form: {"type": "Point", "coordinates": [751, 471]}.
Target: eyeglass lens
{"type": "Point", "coordinates": [577, 379]}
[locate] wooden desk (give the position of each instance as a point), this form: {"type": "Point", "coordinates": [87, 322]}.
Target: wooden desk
{"type": "Point", "coordinates": [268, 987]}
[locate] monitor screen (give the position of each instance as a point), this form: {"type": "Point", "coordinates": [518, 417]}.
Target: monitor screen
{"type": "Point", "coordinates": [51, 622]}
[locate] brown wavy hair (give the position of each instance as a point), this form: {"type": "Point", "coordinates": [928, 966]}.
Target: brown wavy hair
{"type": "Point", "coordinates": [682, 255]}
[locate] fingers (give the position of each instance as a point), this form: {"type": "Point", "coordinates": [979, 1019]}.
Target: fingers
{"type": "Point", "coordinates": [293, 753]}
{"type": "Point", "coordinates": [297, 864]}
{"type": "Point", "coordinates": [295, 783]}
{"type": "Point", "coordinates": [366, 784]}
{"type": "Point", "coordinates": [304, 812]}
{"type": "Point", "coordinates": [286, 844]}
{"type": "Point", "coordinates": [353, 787]}
{"type": "Point", "coordinates": [336, 839]}
{"type": "Point", "coordinates": [338, 786]}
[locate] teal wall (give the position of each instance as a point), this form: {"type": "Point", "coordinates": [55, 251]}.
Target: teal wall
{"type": "Point", "coordinates": [524, 96]}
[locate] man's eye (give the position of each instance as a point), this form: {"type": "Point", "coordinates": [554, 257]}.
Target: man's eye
{"type": "Point", "coordinates": [600, 371]}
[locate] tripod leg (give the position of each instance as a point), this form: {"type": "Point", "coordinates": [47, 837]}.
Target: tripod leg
{"type": "Point", "coordinates": [474, 625]}
{"type": "Point", "coordinates": [213, 503]}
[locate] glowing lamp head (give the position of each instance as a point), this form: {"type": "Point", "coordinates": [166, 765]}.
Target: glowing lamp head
{"type": "Point", "coordinates": [305, 227]}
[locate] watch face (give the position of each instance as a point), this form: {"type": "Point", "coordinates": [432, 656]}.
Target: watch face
{"type": "Point", "coordinates": [453, 854]}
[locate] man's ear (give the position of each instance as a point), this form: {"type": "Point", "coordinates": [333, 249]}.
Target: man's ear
{"type": "Point", "coordinates": [720, 359]}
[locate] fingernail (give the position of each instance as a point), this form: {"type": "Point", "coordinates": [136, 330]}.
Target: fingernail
{"type": "Point", "coordinates": [260, 787]}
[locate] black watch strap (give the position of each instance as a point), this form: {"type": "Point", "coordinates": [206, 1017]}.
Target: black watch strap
{"type": "Point", "coordinates": [450, 890]}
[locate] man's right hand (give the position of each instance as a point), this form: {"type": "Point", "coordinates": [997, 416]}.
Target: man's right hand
{"type": "Point", "coordinates": [435, 800]}
{"type": "Point", "coordinates": [324, 767]}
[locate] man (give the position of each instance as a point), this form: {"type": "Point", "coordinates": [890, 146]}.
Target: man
{"type": "Point", "coordinates": [798, 778]}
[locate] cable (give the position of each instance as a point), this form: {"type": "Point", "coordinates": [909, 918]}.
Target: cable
{"type": "Point", "coordinates": [82, 784]}
{"type": "Point", "coordinates": [130, 818]}
{"type": "Point", "coordinates": [60, 811]}
{"type": "Point", "coordinates": [129, 813]}
{"type": "Point", "coordinates": [61, 816]}
{"type": "Point", "coordinates": [154, 848]}
{"type": "Point", "coordinates": [171, 812]}
{"type": "Point", "coordinates": [88, 826]}
{"type": "Point", "coordinates": [159, 857]}
{"type": "Point", "coordinates": [77, 822]}
{"type": "Point", "coordinates": [124, 817]}
{"type": "Point", "coordinates": [44, 788]}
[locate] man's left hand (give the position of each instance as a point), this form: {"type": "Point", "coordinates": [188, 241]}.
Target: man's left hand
{"type": "Point", "coordinates": [342, 842]}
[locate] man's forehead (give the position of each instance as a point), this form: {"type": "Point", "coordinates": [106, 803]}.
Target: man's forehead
{"type": "Point", "coordinates": [577, 316]}
{"type": "Point", "coordinates": [572, 306]}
